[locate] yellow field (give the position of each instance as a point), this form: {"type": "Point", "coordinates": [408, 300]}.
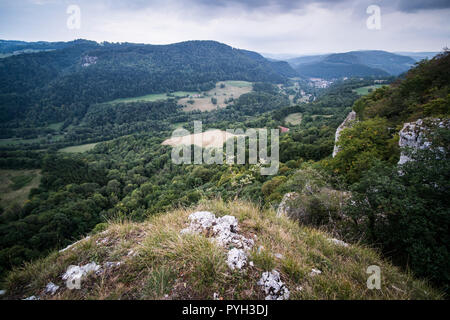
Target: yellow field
{"type": "Point", "coordinates": [212, 138]}
{"type": "Point", "coordinates": [232, 89]}
{"type": "Point", "coordinates": [14, 192]}
{"type": "Point", "coordinates": [80, 148]}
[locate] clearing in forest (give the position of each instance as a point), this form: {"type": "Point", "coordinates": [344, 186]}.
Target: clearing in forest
{"type": "Point", "coordinates": [15, 186]}
{"type": "Point", "coordinates": [365, 90]}
{"type": "Point", "coordinates": [219, 97]}
{"type": "Point", "coordinates": [212, 138]}
{"type": "Point", "coordinates": [294, 119]}
{"type": "Point", "coordinates": [79, 149]}
{"type": "Point", "coordinates": [153, 97]}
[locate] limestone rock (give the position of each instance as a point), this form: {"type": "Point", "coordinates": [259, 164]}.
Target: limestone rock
{"type": "Point", "coordinates": [285, 208]}
{"type": "Point", "coordinates": [224, 231]}
{"type": "Point", "coordinates": [74, 274]}
{"type": "Point", "coordinates": [315, 272]}
{"type": "Point", "coordinates": [51, 288]}
{"type": "Point", "coordinates": [237, 259]}
{"type": "Point", "coordinates": [417, 135]}
{"type": "Point", "coordinates": [347, 123]}
{"type": "Point", "coordinates": [273, 287]}
{"type": "Point", "coordinates": [338, 242]}
{"type": "Point", "coordinates": [109, 265]}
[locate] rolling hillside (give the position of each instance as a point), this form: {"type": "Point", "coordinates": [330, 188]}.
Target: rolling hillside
{"type": "Point", "coordinates": [57, 84]}
{"type": "Point", "coordinates": [352, 64]}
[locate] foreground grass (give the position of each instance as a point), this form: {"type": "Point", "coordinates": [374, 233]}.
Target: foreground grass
{"type": "Point", "coordinates": [159, 263]}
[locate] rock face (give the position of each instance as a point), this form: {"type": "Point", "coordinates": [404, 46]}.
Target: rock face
{"type": "Point", "coordinates": [417, 135]}
{"type": "Point", "coordinates": [224, 231]}
{"type": "Point", "coordinates": [347, 123]}
{"type": "Point", "coordinates": [285, 207]}
{"type": "Point", "coordinates": [273, 287]}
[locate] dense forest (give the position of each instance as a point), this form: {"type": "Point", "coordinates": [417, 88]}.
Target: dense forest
{"type": "Point", "coordinates": [133, 176]}
{"type": "Point", "coordinates": [57, 85]}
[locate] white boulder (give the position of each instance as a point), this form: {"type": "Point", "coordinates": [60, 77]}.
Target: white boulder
{"type": "Point", "coordinates": [51, 288]}
{"type": "Point", "coordinates": [237, 259]}
{"type": "Point", "coordinates": [273, 287]}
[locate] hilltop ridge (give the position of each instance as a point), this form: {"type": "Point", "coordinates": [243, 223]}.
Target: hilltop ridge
{"type": "Point", "coordinates": [156, 260]}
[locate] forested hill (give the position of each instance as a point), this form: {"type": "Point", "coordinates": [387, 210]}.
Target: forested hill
{"type": "Point", "coordinates": [54, 85]}
{"type": "Point", "coordinates": [352, 64]}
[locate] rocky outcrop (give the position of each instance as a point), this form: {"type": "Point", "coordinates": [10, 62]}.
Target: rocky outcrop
{"type": "Point", "coordinates": [224, 231]}
{"type": "Point", "coordinates": [347, 123]}
{"type": "Point", "coordinates": [418, 135]}
{"type": "Point", "coordinates": [51, 288]}
{"type": "Point", "coordinates": [285, 207]}
{"type": "Point", "coordinates": [338, 242]}
{"type": "Point", "coordinates": [89, 60]}
{"type": "Point", "coordinates": [272, 286]}
{"type": "Point", "coordinates": [75, 274]}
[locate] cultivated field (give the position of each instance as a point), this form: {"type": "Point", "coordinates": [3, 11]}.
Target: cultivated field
{"type": "Point", "coordinates": [203, 102]}
{"type": "Point", "coordinates": [294, 119]}
{"type": "Point", "coordinates": [153, 97]}
{"type": "Point", "coordinates": [213, 138]}
{"type": "Point", "coordinates": [15, 186]}
{"type": "Point", "coordinates": [79, 149]}
{"type": "Point", "coordinates": [365, 90]}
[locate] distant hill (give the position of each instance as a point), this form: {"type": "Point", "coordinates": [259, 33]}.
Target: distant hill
{"type": "Point", "coordinates": [418, 55]}
{"type": "Point", "coordinates": [54, 85]}
{"type": "Point", "coordinates": [13, 47]}
{"type": "Point", "coordinates": [352, 64]}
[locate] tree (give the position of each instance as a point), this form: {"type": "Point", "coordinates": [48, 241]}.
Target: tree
{"type": "Point", "coordinates": [361, 145]}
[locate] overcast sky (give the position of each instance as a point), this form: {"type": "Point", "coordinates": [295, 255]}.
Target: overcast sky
{"type": "Point", "coordinates": [268, 26]}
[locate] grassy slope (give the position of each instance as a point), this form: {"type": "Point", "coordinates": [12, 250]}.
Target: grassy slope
{"type": "Point", "coordinates": [365, 90]}
{"type": "Point", "coordinates": [151, 97]}
{"type": "Point", "coordinates": [294, 119]}
{"type": "Point", "coordinates": [191, 266]}
{"type": "Point", "coordinates": [232, 89]}
{"type": "Point", "coordinates": [15, 185]}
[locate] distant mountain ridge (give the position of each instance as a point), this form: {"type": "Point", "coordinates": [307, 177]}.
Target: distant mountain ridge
{"type": "Point", "coordinates": [352, 64]}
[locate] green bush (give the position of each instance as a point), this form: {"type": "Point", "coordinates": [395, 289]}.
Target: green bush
{"type": "Point", "coordinates": [407, 213]}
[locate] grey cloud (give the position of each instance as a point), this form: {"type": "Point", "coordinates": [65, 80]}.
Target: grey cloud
{"type": "Point", "coordinates": [280, 5]}
{"type": "Point", "coordinates": [416, 5]}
